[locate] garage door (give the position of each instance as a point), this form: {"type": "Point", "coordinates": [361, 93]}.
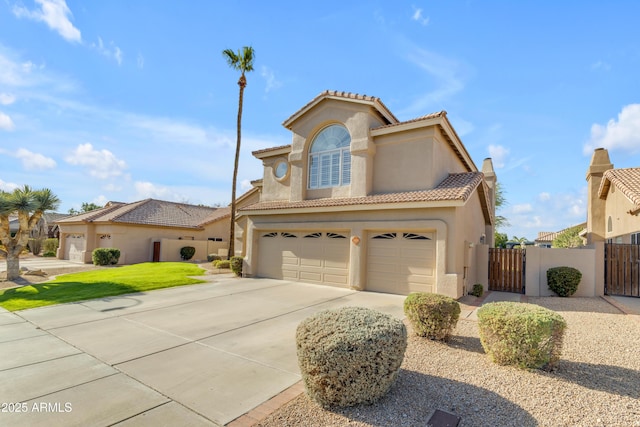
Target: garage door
{"type": "Point", "coordinates": [401, 262]}
{"type": "Point", "coordinates": [316, 257]}
{"type": "Point", "coordinates": [74, 247]}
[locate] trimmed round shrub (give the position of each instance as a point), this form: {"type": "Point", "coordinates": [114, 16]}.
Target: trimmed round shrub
{"type": "Point", "coordinates": [105, 256]}
{"type": "Point", "coordinates": [520, 334]}
{"type": "Point", "coordinates": [563, 280]}
{"type": "Point", "coordinates": [187, 252]}
{"type": "Point", "coordinates": [222, 263]}
{"type": "Point", "coordinates": [432, 315]}
{"type": "Point", "coordinates": [236, 265]}
{"type": "Point", "coordinates": [477, 290]}
{"type": "Point", "coordinates": [213, 257]}
{"type": "Point", "coordinates": [350, 355]}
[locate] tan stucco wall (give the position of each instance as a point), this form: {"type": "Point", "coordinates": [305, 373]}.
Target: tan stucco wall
{"type": "Point", "coordinates": [136, 242]}
{"type": "Point", "coordinates": [617, 207]}
{"type": "Point", "coordinates": [587, 260]}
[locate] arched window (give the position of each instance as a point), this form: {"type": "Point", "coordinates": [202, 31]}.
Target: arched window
{"type": "Point", "coordinates": [330, 158]}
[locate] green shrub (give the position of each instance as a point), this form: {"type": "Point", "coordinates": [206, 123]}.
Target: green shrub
{"type": "Point", "coordinates": [236, 265]}
{"type": "Point", "coordinates": [222, 263]}
{"type": "Point", "coordinates": [477, 290]}
{"type": "Point", "coordinates": [432, 315]}
{"type": "Point", "coordinates": [524, 335]}
{"type": "Point", "coordinates": [105, 256]}
{"type": "Point", "coordinates": [50, 245]}
{"type": "Point", "coordinates": [187, 252]}
{"type": "Point", "coordinates": [563, 280]}
{"type": "Point", "coordinates": [349, 355]}
{"type": "Point", "coordinates": [48, 254]}
{"type": "Point", "coordinates": [213, 257]}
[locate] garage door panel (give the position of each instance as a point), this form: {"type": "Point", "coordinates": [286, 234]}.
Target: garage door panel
{"type": "Point", "coordinates": [317, 259]}
{"type": "Point", "coordinates": [401, 264]}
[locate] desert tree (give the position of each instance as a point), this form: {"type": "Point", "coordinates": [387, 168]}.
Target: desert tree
{"type": "Point", "coordinates": [28, 206]}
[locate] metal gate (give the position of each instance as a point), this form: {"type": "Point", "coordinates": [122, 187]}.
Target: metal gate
{"type": "Point", "coordinates": [507, 270]}
{"type": "Point", "coordinates": [622, 269]}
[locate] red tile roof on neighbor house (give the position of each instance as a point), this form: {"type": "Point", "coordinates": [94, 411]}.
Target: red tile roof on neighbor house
{"type": "Point", "coordinates": [456, 187]}
{"type": "Point", "coordinates": [152, 212]}
{"type": "Point", "coordinates": [626, 181]}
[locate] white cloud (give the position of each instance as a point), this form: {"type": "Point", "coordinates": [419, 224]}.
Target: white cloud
{"type": "Point", "coordinates": [245, 185]}
{"type": "Point", "coordinates": [447, 75]}
{"type": "Point", "coordinates": [270, 78]}
{"type": "Point", "coordinates": [498, 155]}
{"type": "Point", "coordinates": [5, 122]}
{"type": "Point", "coordinates": [7, 99]}
{"type": "Point", "coordinates": [522, 208]}
{"type": "Point", "coordinates": [419, 18]}
{"type": "Point", "coordinates": [599, 65]}
{"type": "Point", "coordinates": [112, 51]}
{"type": "Point", "coordinates": [544, 197]}
{"type": "Point", "coordinates": [7, 186]}
{"type": "Point", "coordinates": [623, 134]}
{"type": "Point", "coordinates": [34, 161]}
{"type": "Point", "coordinates": [140, 61]}
{"type": "Point", "coordinates": [56, 14]}
{"type": "Point", "coordinates": [148, 190]}
{"type": "Point", "coordinates": [101, 164]}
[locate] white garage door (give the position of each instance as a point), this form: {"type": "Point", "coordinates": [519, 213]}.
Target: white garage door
{"type": "Point", "coordinates": [75, 245]}
{"type": "Point", "coordinates": [401, 262]}
{"type": "Point", "coordinates": [316, 257]}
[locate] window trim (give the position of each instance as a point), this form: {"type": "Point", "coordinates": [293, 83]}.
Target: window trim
{"type": "Point", "coordinates": [335, 162]}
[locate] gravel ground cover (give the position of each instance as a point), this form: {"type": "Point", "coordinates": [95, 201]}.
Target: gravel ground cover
{"type": "Point", "coordinates": [596, 382]}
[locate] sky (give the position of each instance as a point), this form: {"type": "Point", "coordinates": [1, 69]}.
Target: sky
{"type": "Point", "coordinates": [124, 100]}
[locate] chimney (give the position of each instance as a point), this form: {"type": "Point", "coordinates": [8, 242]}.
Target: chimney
{"type": "Point", "coordinates": [596, 221]}
{"type": "Point", "coordinates": [491, 180]}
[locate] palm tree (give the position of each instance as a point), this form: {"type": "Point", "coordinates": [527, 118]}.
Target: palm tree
{"type": "Point", "coordinates": [241, 61]}
{"type": "Point", "coordinates": [29, 205]}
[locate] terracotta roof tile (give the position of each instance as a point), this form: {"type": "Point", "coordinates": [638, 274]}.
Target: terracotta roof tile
{"type": "Point", "coordinates": [266, 150]}
{"type": "Point", "coordinates": [442, 113]}
{"type": "Point", "coordinates": [627, 181]}
{"type": "Point", "coordinates": [455, 187]}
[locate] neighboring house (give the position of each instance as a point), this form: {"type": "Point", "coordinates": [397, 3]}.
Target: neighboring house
{"type": "Point", "coordinates": [147, 230]}
{"type": "Point", "coordinates": [614, 201]}
{"type": "Point", "coordinates": [361, 200]}
{"type": "Point", "coordinates": [545, 238]}
{"type": "Point", "coordinates": [49, 219]}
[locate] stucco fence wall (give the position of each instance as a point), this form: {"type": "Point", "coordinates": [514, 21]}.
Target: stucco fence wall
{"type": "Point", "coordinates": [588, 260]}
{"type": "Point", "coordinates": [170, 249]}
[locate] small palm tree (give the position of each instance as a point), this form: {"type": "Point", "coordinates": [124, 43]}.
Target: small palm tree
{"type": "Point", "coordinates": [29, 205]}
{"type": "Point", "coordinates": [241, 61]}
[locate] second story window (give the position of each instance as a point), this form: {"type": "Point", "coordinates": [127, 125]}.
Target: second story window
{"type": "Point", "coordinates": [330, 158]}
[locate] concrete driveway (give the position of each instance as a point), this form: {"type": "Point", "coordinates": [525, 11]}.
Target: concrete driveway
{"type": "Point", "coordinates": [194, 355]}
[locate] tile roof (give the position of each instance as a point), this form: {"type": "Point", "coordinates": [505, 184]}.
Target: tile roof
{"type": "Point", "coordinates": [625, 180]}
{"type": "Point", "coordinates": [153, 212]}
{"type": "Point", "coordinates": [442, 113]}
{"type": "Point", "coordinates": [379, 105]}
{"type": "Point", "coordinates": [550, 236]}
{"type": "Point", "coordinates": [266, 150]}
{"type": "Point", "coordinates": [456, 187]}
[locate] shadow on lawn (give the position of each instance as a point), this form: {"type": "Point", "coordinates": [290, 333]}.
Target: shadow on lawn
{"type": "Point", "coordinates": [41, 294]}
{"type": "Point", "coordinates": [432, 393]}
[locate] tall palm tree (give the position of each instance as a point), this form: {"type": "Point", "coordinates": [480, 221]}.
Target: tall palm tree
{"type": "Point", "coordinates": [241, 61]}
{"type": "Point", "coordinates": [29, 205]}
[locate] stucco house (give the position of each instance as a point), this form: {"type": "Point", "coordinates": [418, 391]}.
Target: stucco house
{"type": "Point", "coordinates": [147, 230]}
{"type": "Point", "coordinates": [362, 200]}
{"type": "Point", "coordinates": [613, 201]}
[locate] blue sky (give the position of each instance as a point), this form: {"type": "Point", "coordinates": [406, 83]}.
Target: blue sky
{"type": "Point", "coordinates": [124, 100]}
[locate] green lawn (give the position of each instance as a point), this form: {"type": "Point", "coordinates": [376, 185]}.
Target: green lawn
{"type": "Point", "coordinates": [101, 283]}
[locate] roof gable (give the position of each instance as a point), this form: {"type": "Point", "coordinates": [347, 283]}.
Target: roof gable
{"type": "Point", "coordinates": [372, 101]}
{"type": "Point", "coordinates": [627, 181]}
